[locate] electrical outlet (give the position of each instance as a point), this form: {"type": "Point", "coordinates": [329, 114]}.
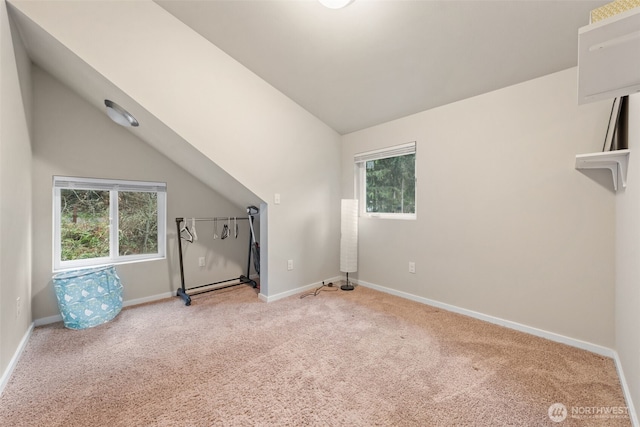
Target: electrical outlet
{"type": "Point", "coordinates": [290, 265]}
{"type": "Point", "coordinates": [412, 267]}
{"type": "Point", "coordinates": [201, 261]}
{"type": "Point", "coordinates": [18, 307]}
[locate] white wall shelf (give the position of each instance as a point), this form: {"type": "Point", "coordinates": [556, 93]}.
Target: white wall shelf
{"type": "Point", "coordinates": [608, 59]}
{"type": "Point", "coordinates": [616, 161]}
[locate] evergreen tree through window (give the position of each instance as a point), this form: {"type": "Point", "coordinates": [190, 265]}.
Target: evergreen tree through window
{"type": "Point", "coordinates": [387, 181]}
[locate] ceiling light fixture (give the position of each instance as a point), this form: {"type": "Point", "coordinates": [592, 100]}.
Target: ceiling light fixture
{"type": "Point", "coordinates": [119, 114]}
{"type": "Point", "coordinates": [335, 4]}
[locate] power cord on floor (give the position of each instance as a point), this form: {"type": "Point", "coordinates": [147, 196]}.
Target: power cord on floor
{"type": "Point", "coordinates": [320, 289]}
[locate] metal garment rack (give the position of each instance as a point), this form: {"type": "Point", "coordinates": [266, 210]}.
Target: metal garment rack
{"type": "Point", "coordinates": [182, 291]}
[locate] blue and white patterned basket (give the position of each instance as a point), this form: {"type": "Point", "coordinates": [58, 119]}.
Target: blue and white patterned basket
{"type": "Point", "coordinates": [88, 297]}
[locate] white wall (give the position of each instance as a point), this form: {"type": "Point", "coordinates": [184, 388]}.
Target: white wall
{"type": "Point", "coordinates": [627, 302]}
{"type": "Point", "coordinates": [506, 226]}
{"type": "Point", "coordinates": [245, 126]}
{"type": "Point", "coordinates": [15, 195]}
{"type": "Point", "coordinates": [72, 138]}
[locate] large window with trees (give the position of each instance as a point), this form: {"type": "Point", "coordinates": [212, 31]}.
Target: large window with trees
{"type": "Point", "coordinates": [386, 182]}
{"type": "Point", "coordinates": [99, 221]}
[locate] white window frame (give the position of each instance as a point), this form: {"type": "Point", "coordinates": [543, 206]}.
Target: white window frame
{"type": "Point", "coordinates": [113, 186]}
{"type": "Point", "coordinates": [360, 160]}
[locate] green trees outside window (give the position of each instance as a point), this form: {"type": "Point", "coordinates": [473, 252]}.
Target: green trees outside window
{"type": "Point", "coordinates": [98, 221]}
{"type": "Point", "coordinates": [85, 223]}
{"type": "Point", "coordinates": [390, 185]}
{"type": "Point", "coordinates": [138, 223]}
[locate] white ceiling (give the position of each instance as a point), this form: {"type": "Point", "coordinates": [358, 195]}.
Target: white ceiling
{"type": "Point", "coordinates": [369, 63]}
{"type": "Point", "coordinates": [378, 60]}
{"type": "Point", "coordinates": [48, 53]}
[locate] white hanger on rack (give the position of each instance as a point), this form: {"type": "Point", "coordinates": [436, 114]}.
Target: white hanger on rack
{"type": "Point", "coordinates": [193, 230]}
{"type": "Point", "coordinates": [185, 229]}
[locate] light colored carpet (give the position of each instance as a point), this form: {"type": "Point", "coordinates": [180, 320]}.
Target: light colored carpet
{"type": "Point", "coordinates": [360, 358]}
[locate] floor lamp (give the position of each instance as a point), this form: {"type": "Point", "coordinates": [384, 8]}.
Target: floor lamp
{"type": "Point", "coordinates": [349, 240]}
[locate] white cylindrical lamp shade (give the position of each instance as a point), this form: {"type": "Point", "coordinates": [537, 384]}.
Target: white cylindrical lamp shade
{"type": "Point", "coordinates": [349, 236]}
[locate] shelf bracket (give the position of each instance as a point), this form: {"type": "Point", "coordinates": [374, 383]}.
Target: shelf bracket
{"type": "Point", "coordinates": [616, 161]}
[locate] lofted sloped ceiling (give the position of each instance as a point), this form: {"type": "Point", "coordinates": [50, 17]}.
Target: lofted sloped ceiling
{"type": "Point", "coordinates": [90, 84]}
{"type": "Point", "coordinates": [207, 112]}
{"type": "Point", "coordinates": [374, 61]}
{"type": "Point", "coordinates": [378, 60]}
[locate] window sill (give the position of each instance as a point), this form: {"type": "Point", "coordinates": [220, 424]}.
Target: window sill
{"type": "Point", "coordinates": [103, 263]}
{"type": "Point", "coordinates": [389, 216]}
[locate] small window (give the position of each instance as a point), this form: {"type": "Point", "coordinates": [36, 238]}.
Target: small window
{"type": "Point", "coordinates": [99, 221]}
{"type": "Point", "coordinates": [386, 182]}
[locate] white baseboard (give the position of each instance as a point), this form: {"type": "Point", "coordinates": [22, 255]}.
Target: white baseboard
{"type": "Point", "coordinates": [276, 297]}
{"type": "Point", "coordinates": [58, 318]}
{"type": "Point", "coordinates": [594, 348]}
{"type": "Point", "coordinates": [151, 298]}
{"type": "Point", "coordinates": [633, 415]}
{"type": "Point", "coordinates": [47, 320]}
{"type": "Point", "coordinates": [14, 360]}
